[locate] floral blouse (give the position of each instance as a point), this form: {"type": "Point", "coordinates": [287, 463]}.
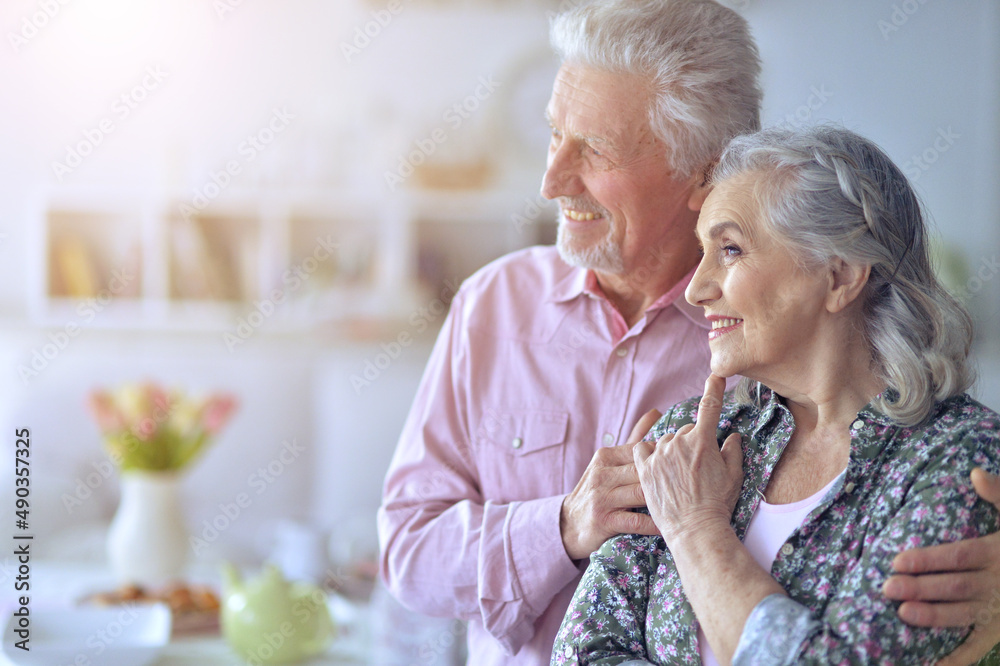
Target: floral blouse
{"type": "Point", "coordinates": [904, 487]}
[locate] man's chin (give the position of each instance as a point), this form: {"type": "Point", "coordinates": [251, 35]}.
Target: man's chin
{"type": "Point", "coordinates": [602, 260]}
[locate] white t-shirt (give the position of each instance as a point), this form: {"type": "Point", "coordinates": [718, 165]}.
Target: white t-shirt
{"type": "Point", "coordinates": [768, 531]}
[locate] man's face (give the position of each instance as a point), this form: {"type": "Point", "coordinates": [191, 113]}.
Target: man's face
{"type": "Point", "coordinates": [619, 201]}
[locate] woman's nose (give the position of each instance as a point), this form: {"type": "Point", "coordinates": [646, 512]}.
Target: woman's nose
{"type": "Point", "coordinates": [703, 288]}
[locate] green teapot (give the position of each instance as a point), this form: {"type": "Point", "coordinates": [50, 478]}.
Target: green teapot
{"type": "Point", "coordinates": [269, 620]}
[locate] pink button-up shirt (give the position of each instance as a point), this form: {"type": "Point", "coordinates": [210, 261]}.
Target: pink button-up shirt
{"type": "Point", "coordinates": [533, 371]}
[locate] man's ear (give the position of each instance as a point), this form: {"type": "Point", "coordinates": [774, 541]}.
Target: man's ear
{"type": "Point", "coordinates": [702, 187]}
{"type": "Point", "coordinates": [846, 282]}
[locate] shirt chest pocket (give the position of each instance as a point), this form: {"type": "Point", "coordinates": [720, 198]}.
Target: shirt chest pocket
{"type": "Point", "coordinates": [522, 453]}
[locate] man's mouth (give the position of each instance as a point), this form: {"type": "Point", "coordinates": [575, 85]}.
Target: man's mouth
{"type": "Point", "coordinates": [580, 216]}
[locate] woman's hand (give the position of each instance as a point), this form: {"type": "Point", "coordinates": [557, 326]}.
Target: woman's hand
{"type": "Point", "coordinates": [687, 481]}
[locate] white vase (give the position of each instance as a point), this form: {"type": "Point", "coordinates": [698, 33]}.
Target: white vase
{"type": "Point", "coordinates": [148, 541]}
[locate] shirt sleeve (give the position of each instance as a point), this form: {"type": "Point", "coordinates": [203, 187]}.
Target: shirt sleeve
{"type": "Point", "coordinates": [445, 549]}
{"type": "Point", "coordinates": [606, 621]}
{"type": "Point", "coordinates": [860, 625]}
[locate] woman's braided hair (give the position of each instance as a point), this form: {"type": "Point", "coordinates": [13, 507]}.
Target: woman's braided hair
{"type": "Point", "coordinates": [828, 193]}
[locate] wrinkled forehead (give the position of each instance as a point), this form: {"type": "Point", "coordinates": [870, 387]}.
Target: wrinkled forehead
{"type": "Point", "coordinates": [617, 101]}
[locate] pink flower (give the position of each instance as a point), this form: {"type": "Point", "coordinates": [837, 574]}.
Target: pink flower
{"type": "Point", "coordinates": [217, 411]}
{"type": "Point", "coordinates": [102, 406]}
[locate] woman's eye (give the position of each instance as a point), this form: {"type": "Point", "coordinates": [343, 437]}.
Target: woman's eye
{"type": "Point", "coordinates": [731, 251]}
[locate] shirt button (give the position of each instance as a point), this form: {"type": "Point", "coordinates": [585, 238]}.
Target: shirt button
{"type": "Point", "coordinates": [857, 425]}
{"type": "Point", "coordinates": [517, 442]}
{"type": "Point", "coordinates": [787, 549]}
{"type": "Point", "coordinates": [621, 351]}
{"type": "Point", "coordinates": [608, 439]}
{"type": "Point", "coordinates": [849, 488]}
{"type": "Point", "coordinates": [568, 651]}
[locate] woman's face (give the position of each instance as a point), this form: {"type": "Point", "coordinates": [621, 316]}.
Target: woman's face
{"type": "Point", "coordinates": [765, 310]}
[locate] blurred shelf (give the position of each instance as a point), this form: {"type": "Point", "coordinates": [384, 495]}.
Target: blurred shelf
{"type": "Point", "coordinates": [281, 260]}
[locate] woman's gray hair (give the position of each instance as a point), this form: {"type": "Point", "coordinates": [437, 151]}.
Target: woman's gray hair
{"type": "Point", "coordinates": [698, 55]}
{"type": "Point", "coordinates": [827, 193]}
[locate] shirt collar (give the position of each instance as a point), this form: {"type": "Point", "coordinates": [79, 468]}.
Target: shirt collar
{"type": "Point", "coordinates": [870, 426]}
{"type": "Point", "coordinates": [583, 282]}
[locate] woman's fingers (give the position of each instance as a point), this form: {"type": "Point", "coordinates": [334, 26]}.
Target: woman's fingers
{"type": "Point", "coordinates": [710, 407]}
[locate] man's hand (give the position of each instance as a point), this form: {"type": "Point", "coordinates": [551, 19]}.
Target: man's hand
{"type": "Point", "coordinates": [955, 584]}
{"type": "Point", "coordinates": [598, 508]}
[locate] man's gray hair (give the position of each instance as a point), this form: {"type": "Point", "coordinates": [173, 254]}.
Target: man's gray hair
{"type": "Point", "coordinates": [828, 193]}
{"type": "Point", "coordinates": [700, 59]}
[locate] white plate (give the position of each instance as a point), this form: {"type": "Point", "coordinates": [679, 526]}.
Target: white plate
{"type": "Point", "coordinates": [129, 635]}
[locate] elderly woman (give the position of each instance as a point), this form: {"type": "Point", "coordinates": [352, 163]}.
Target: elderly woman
{"type": "Point", "coordinates": [849, 438]}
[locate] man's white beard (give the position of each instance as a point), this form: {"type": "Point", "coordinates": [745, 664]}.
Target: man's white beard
{"type": "Point", "coordinates": [605, 256]}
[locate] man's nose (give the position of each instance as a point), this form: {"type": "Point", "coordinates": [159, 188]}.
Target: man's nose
{"type": "Point", "coordinates": [562, 178]}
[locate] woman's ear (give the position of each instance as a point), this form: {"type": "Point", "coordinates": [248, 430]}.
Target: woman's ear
{"type": "Point", "coordinates": [702, 186]}
{"type": "Point", "coordinates": [846, 282]}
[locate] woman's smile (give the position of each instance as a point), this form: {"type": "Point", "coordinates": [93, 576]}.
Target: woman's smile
{"type": "Point", "coordinates": [722, 325]}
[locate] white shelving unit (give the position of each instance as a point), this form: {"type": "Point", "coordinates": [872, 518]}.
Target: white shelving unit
{"type": "Point", "coordinates": [126, 261]}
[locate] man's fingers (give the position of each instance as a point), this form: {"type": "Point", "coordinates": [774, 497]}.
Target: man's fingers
{"type": "Point", "coordinates": [921, 614]}
{"type": "Point", "coordinates": [613, 476]}
{"type": "Point", "coordinates": [630, 522]}
{"type": "Point", "coordinates": [710, 407]}
{"type": "Point", "coordinates": [977, 644]}
{"type": "Point", "coordinates": [613, 456]}
{"type": "Point", "coordinates": [641, 451]}
{"type": "Point", "coordinates": [987, 485]}
{"type": "Point", "coordinates": [933, 587]}
{"type": "Point", "coordinates": [626, 497]}
{"type": "Point", "coordinates": [958, 556]}
{"type": "Point", "coordinates": [646, 421]}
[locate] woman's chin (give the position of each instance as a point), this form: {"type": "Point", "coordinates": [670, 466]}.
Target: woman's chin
{"type": "Point", "coordinates": [722, 369]}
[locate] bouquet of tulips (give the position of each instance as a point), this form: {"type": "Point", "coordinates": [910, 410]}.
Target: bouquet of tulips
{"type": "Point", "coordinates": [146, 427]}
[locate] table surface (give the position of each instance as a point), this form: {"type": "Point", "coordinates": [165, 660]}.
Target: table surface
{"type": "Point", "coordinates": [60, 584]}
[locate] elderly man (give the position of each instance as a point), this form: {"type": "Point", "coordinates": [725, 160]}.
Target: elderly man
{"type": "Point", "coordinates": [508, 475]}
